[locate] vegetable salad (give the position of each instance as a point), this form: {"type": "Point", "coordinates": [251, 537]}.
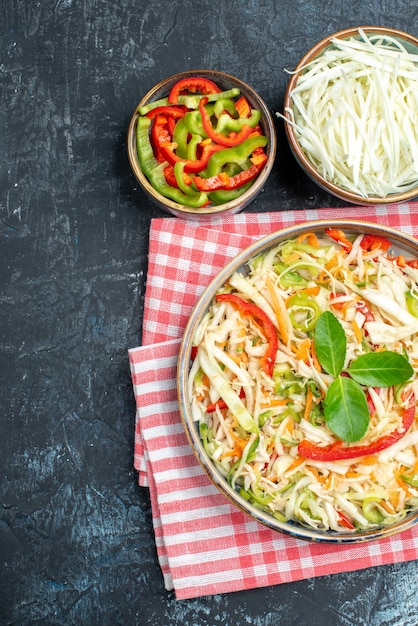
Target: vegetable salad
{"type": "Point", "coordinates": [304, 382]}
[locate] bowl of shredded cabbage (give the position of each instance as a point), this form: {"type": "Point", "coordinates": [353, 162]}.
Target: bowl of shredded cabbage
{"type": "Point", "coordinates": [351, 115]}
{"type": "Point", "coordinates": [298, 381]}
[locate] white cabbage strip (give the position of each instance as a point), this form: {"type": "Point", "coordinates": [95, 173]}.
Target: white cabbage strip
{"type": "Point", "coordinates": [355, 115]}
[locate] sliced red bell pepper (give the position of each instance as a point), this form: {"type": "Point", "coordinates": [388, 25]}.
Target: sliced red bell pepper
{"type": "Point", "coordinates": [192, 84]}
{"type": "Point", "coordinates": [362, 308]}
{"type": "Point", "coordinates": [248, 309]}
{"type": "Point", "coordinates": [243, 107]}
{"type": "Point", "coordinates": [338, 235]}
{"type": "Point", "coordinates": [344, 521]}
{"type": "Point", "coordinates": [337, 452]}
{"type": "Point", "coordinates": [233, 139]}
{"type": "Point", "coordinates": [177, 111]}
{"type": "Point", "coordinates": [337, 305]}
{"type": "Point", "coordinates": [374, 242]}
{"type": "Point", "coordinates": [163, 144]}
{"type": "Point", "coordinates": [160, 136]}
{"type": "Point", "coordinates": [225, 182]}
{"type": "Point", "coordinates": [221, 404]}
{"type": "Point", "coordinates": [368, 243]}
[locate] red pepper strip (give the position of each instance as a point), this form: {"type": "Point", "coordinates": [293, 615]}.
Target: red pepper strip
{"type": "Point", "coordinates": [344, 521]}
{"type": "Point", "coordinates": [214, 183]}
{"type": "Point", "coordinates": [337, 305]}
{"type": "Point", "coordinates": [337, 453]}
{"type": "Point", "coordinates": [170, 177]}
{"type": "Point", "coordinates": [194, 84]}
{"type": "Point", "coordinates": [374, 242]}
{"type": "Point", "coordinates": [243, 107]}
{"type": "Point", "coordinates": [362, 308]}
{"type": "Point", "coordinates": [160, 135]}
{"type": "Point", "coordinates": [170, 111]}
{"type": "Point", "coordinates": [258, 156]}
{"type": "Point", "coordinates": [248, 309]}
{"type": "Point", "coordinates": [225, 182]}
{"type": "Point", "coordinates": [171, 123]}
{"type": "Point", "coordinates": [163, 145]}
{"type": "Point", "coordinates": [221, 404]}
{"type": "Point", "coordinates": [233, 139]}
{"type": "Point", "coordinates": [339, 236]}
{"type": "Point", "coordinates": [370, 403]}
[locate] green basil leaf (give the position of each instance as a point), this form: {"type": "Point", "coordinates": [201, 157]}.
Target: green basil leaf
{"type": "Point", "coordinates": [380, 369]}
{"type": "Point", "coordinates": [330, 343]}
{"type": "Point", "coordinates": [345, 409]}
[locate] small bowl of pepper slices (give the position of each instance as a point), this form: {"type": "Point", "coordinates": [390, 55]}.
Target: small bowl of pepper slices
{"type": "Point", "coordinates": [201, 144]}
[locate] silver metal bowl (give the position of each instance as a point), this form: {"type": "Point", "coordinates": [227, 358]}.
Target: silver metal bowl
{"type": "Point", "coordinates": [402, 244]}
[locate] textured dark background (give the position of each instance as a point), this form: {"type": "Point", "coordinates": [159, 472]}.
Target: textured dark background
{"type": "Point", "coordinates": [76, 539]}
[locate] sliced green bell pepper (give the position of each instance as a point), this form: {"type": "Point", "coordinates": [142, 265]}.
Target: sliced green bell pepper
{"type": "Point", "coordinates": [154, 170]}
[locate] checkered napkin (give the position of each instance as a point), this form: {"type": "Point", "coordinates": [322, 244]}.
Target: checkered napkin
{"type": "Point", "coordinates": [205, 544]}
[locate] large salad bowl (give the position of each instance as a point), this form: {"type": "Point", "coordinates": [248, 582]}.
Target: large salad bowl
{"type": "Point", "coordinates": [297, 379]}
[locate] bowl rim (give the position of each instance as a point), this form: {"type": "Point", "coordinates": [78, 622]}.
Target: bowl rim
{"type": "Point", "coordinates": [404, 241]}
{"type": "Point", "coordinates": [239, 203]}
{"type": "Point", "coordinates": [300, 156]}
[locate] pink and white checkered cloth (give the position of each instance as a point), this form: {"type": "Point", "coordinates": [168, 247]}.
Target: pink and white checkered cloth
{"type": "Point", "coordinates": [206, 545]}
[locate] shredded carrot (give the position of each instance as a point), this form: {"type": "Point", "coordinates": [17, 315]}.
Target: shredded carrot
{"type": "Point", "coordinates": [310, 237]}
{"type": "Point", "coordinates": [357, 331]}
{"type": "Point", "coordinates": [275, 402]}
{"type": "Point", "coordinates": [339, 273]}
{"type": "Point", "coordinates": [328, 481]}
{"type": "Point", "coordinates": [369, 460]}
{"type": "Point", "coordinates": [236, 451]}
{"type": "Point", "coordinates": [403, 486]}
{"type": "Point", "coordinates": [388, 507]}
{"type": "Point", "coordinates": [314, 358]}
{"type": "Point", "coordinates": [314, 471]}
{"type": "Point", "coordinates": [289, 426]}
{"type": "Point", "coordinates": [323, 277]}
{"type": "Point", "coordinates": [284, 335]}
{"type": "Point", "coordinates": [394, 498]}
{"type": "Point", "coordinates": [332, 262]}
{"type": "Point", "coordinates": [303, 351]}
{"type": "Point", "coordinates": [352, 474]}
{"type": "Point", "coordinates": [310, 291]}
{"type": "Point", "coordinates": [295, 464]}
{"type": "Point", "coordinates": [238, 359]}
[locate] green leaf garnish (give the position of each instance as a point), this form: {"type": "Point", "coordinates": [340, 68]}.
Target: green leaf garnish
{"type": "Point", "coordinates": [380, 369]}
{"type": "Point", "coordinates": [345, 409]}
{"type": "Point", "coordinates": [330, 343]}
{"type": "Point", "coordinates": [345, 406]}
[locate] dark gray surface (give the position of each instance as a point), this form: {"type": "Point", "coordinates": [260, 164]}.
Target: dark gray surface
{"type": "Point", "coordinates": [76, 539]}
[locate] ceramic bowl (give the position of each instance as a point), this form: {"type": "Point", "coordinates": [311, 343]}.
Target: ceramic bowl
{"type": "Point", "coordinates": [314, 168]}
{"type": "Point", "coordinates": [401, 244]}
{"type": "Point", "coordinates": [211, 212]}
